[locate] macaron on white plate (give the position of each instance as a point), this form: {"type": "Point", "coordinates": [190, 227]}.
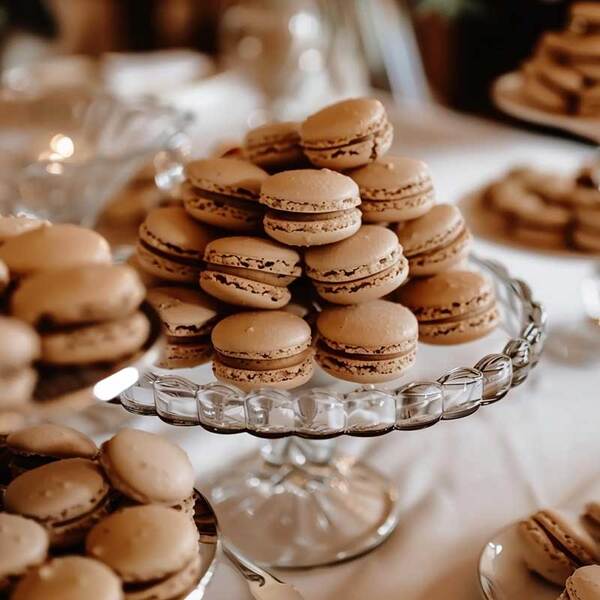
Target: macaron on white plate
{"type": "Point", "coordinates": [503, 574]}
{"type": "Point", "coordinates": [508, 97]}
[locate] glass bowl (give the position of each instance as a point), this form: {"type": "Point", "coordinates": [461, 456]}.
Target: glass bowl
{"type": "Point", "coordinates": [63, 155]}
{"type": "Point", "coordinates": [301, 504]}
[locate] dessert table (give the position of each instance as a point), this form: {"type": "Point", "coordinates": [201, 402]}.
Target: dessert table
{"type": "Point", "coordinates": [461, 481]}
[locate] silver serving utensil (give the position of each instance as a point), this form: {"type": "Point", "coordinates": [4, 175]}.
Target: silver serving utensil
{"type": "Point", "coordinates": [262, 584]}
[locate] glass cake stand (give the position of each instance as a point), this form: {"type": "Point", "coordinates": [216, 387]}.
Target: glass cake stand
{"type": "Point", "coordinates": [302, 504]}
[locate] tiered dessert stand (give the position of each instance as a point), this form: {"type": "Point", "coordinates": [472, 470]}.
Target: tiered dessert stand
{"type": "Point", "coordinates": [301, 504]}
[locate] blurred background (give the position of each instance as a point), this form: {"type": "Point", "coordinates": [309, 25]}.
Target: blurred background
{"type": "Point", "coordinates": [291, 53]}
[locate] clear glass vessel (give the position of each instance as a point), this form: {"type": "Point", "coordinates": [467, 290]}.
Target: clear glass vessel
{"type": "Point", "coordinates": [301, 503]}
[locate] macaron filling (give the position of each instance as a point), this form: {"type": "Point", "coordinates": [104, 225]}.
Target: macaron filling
{"type": "Point", "coordinates": [176, 257]}
{"type": "Point", "coordinates": [264, 364]}
{"type": "Point", "coordinates": [450, 252]}
{"type": "Point", "coordinates": [164, 248]}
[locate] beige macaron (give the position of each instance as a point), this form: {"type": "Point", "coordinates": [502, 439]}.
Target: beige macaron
{"type": "Point", "coordinates": [55, 247]}
{"type": "Point", "coordinates": [85, 314]}
{"type": "Point", "coordinates": [20, 347]}
{"type": "Point", "coordinates": [584, 584]}
{"type": "Point", "coordinates": [366, 266]}
{"type": "Point", "coordinates": [250, 271]}
{"type": "Point", "coordinates": [224, 192]}
{"type": "Point", "coordinates": [70, 578]}
{"type": "Point", "coordinates": [367, 343]}
{"type": "Point", "coordinates": [275, 146]}
{"type": "Point", "coordinates": [554, 545]}
{"type": "Point", "coordinates": [147, 468]}
{"type": "Point", "coordinates": [188, 316]}
{"type": "Point", "coordinates": [310, 207]}
{"type": "Point", "coordinates": [452, 307]}
{"type": "Point", "coordinates": [153, 549]}
{"type": "Point", "coordinates": [435, 242]}
{"type": "Point", "coordinates": [67, 497]}
{"type": "Point", "coordinates": [37, 445]}
{"type": "Point", "coordinates": [347, 134]}
{"type": "Point", "coordinates": [23, 545]}
{"type": "Point", "coordinates": [263, 349]}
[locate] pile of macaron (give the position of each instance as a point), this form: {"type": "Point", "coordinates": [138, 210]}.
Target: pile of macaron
{"type": "Point", "coordinates": [563, 76]}
{"type": "Point", "coordinates": [80, 521]}
{"type": "Point", "coordinates": [310, 223]}
{"type": "Point", "coordinates": [564, 549]}
{"type": "Point", "coordinates": [64, 305]}
{"type": "Point", "coordinates": [547, 210]}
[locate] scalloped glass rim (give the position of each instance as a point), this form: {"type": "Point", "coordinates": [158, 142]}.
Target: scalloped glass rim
{"type": "Point", "coordinates": [366, 411]}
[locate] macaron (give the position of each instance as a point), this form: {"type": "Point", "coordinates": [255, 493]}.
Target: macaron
{"type": "Point", "coordinates": [310, 207]}
{"type": "Point", "coordinates": [435, 242]}
{"type": "Point", "coordinates": [250, 271]}
{"type": "Point", "coordinates": [366, 266]}
{"type": "Point", "coordinates": [394, 189]}
{"type": "Point", "coordinates": [56, 247]}
{"type": "Point", "coordinates": [14, 225]}
{"type": "Point", "coordinates": [37, 445]}
{"type": "Point", "coordinates": [153, 549]}
{"type": "Point", "coordinates": [591, 519]}
{"type": "Point", "coordinates": [84, 314]}
{"type": "Point", "coordinates": [372, 342]}
{"type": "Point", "coordinates": [585, 18]}
{"type": "Point", "coordinates": [188, 317]}
{"type": "Point", "coordinates": [70, 578]}
{"type": "Point", "coordinates": [263, 349]}
{"type": "Point", "coordinates": [552, 86]}
{"type": "Point", "coordinates": [224, 192]}
{"type": "Point", "coordinates": [452, 307]}
{"type": "Point", "coordinates": [347, 134]}
{"type": "Point", "coordinates": [23, 545]}
{"type": "Point", "coordinates": [586, 192]}
{"type": "Point", "coordinates": [584, 584]}
{"type": "Point", "coordinates": [589, 101]}
{"type": "Point", "coordinates": [66, 497]}
{"type": "Point", "coordinates": [579, 51]}
{"type": "Point", "coordinates": [20, 347]}
{"type": "Point", "coordinates": [146, 468]}
{"type": "Point", "coordinates": [171, 244]}
{"type": "Point", "coordinates": [275, 146]}
{"type": "Point", "coordinates": [554, 545]}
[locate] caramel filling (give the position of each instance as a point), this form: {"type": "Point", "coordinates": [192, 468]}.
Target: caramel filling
{"type": "Point", "coordinates": [294, 216]}
{"type": "Point", "coordinates": [190, 262]}
{"type": "Point", "coordinates": [322, 344]}
{"type": "Point", "coordinates": [249, 364]}
{"type": "Point", "coordinates": [258, 276]}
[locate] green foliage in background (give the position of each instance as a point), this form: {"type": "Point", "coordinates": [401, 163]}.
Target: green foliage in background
{"type": "Point", "coordinates": [450, 9]}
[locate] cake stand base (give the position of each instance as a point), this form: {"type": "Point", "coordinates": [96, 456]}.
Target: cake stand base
{"type": "Point", "coordinates": [301, 506]}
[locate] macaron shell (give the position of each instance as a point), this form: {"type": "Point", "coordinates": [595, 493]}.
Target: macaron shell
{"type": "Point", "coordinates": [185, 355]}
{"type": "Point", "coordinates": [309, 191]}
{"type": "Point", "coordinates": [541, 556]}
{"type": "Point", "coordinates": [102, 342]}
{"type": "Point", "coordinates": [58, 246]}
{"type": "Point", "coordinates": [274, 145]}
{"type": "Point", "coordinates": [254, 253]}
{"type": "Point", "coordinates": [229, 176]}
{"type": "Point", "coordinates": [147, 468]}
{"type": "Point", "coordinates": [48, 439]}
{"type": "Point", "coordinates": [41, 493]}
{"type": "Point", "coordinates": [70, 578]}
{"type": "Point", "coordinates": [247, 380]}
{"type": "Point", "coordinates": [79, 294]}
{"type": "Point", "coordinates": [353, 154]}
{"type": "Point", "coordinates": [466, 329]}
{"type": "Point", "coordinates": [241, 216]}
{"type": "Point", "coordinates": [444, 259]}
{"type": "Point", "coordinates": [243, 292]}
{"type": "Point", "coordinates": [133, 540]}
{"type": "Point", "coordinates": [365, 289]}
{"type": "Point", "coordinates": [584, 584]}
{"type": "Point", "coordinates": [393, 211]}
{"type": "Point", "coordinates": [162, 268]}
{"type": "Point", "coordinates": [261, 335]}
{"type": "Point", "coordinates": [23, 544]}
{"type": "Point", "coordinates": [369, 251]}
{"type": "Point", "coordinates": [316, 232]}
{"type": "Point", "coordinates": [543, 96]}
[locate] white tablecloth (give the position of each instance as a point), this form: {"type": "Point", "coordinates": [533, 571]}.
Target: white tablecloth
{"type": "Point", "coordinates": [459, 481]}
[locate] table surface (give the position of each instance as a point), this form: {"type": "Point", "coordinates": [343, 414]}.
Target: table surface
{"type": "Point", "coordinates": [460, 481]}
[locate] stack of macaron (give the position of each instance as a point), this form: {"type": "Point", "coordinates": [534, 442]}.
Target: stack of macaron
{"type": "Point", "coordinates": [68, 305]}
{"type": "Point", "coordinates": [545, 210]}
{"type": "Point", "coordinates": [317, 202]}
{"type": "Point", "coordinates": [563, 76]}
{"type": "Point", "coordinates": [108, 523]}
{"type": "Point", "coordinates": [563, 548]}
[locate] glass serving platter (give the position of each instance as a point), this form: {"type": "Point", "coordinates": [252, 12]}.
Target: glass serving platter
{"type": "Point", "coordinates": [301, 504]}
